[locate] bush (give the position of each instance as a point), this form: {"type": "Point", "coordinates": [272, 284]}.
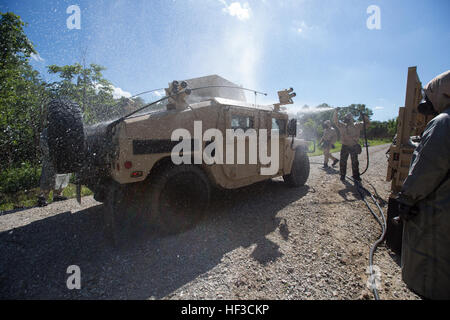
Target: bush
{"type": "Point", "coordinates": [24, 177]}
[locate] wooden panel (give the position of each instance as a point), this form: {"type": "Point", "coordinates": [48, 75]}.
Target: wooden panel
{"type": "Point", "coordinates": [410, 123]}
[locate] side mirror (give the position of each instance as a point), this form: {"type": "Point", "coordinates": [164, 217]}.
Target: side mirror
{"type": "Point", "coordinates": [292, 128]}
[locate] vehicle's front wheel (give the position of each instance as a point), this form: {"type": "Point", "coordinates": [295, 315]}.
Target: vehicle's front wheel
{"type": "Point", "coordinates": [179, 197]}
{"type": "Point", "coordinates": [300, 169]}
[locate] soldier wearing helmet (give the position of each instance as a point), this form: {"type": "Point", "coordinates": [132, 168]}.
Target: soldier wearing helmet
{"type": "Point", "coordinates": [424, 201]}
{"type": "Point", "coordinates": [328, 140]}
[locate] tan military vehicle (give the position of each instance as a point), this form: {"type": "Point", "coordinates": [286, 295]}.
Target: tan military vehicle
{"type": "Point", "coordinates": [129, 163]}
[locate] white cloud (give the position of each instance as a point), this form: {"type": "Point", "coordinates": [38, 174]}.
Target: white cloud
{"type": "Point", "coordinates": [37, 57]}
{"type": "Point", "coordinates": [238, 10]}
{"type": "Point", "coordinates": [118, 93]}
{"type": "Point", "coordinates": [379, 108]}
{"type": "Point", "coordinates": [159, 93]}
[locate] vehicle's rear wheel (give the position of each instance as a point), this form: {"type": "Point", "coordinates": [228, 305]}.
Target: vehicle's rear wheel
{"type": "Point", "coordinates": [300, 169]}
{"type": "Point", "coordinates": [179, 197]}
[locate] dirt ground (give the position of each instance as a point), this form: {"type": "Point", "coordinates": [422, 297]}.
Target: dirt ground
{"type": "Point", "coordinates": [266, 241]}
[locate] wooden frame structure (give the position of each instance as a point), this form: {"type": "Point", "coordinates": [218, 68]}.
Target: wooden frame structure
{"type": "Point", "coordinates": [410, 123]}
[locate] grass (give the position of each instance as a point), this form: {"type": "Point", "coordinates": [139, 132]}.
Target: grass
{"type": "Point", "coordinates": [28, 198]}
{"type": "Point", "coordinates": [338, 146]}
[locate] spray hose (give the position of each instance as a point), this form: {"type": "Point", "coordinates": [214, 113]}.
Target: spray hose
{"type": "Point", "coordinates": [365, 140]}
{"type": "Point", "coordinates": [382, 222]}
{"type": "Point", "coordinates": [381, 219]}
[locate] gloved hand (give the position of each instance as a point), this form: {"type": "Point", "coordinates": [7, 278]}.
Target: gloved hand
{"type": "Point", "coordinates": [406, 212]}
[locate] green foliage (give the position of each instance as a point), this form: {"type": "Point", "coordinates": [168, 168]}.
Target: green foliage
{"type": "Point", "coordinates": [311, 122]}
{"type": "Point", "coordinates": [24, 177]}
{"type": "Point", "coordinates": [355, 110]}
{"type": "Point", "coordinates": [392, 127]}
{"type": "Point", "coordinates": [28, 198]}
{"type": "Point", "coordinates": [338, 146]}
{"type": "Point", "coordinates": [22, 95]}
{"type": "Point", "coordinates": [15, 47]}
{"type": "Point", "coordinates": [87, 87]}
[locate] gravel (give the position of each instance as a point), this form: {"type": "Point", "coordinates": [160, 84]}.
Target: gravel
{"type": "Point", "coordinates": [266, 241]}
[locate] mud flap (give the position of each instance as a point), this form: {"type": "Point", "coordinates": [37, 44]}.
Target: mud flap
{"type": "Point", "coordinates": [79, 193]}
{"type": "Point", "coordinates": [110, 215]}
{"type": "Point", "coordinates": [394, 229]}
{"type": "Point", "coordinates": [78, 188]}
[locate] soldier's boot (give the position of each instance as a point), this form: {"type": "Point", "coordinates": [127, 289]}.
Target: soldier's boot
{"type": "Point", "coordinates": [42, 202]}
{"type": "Point", "coordinates": [59, 198]}
{"type": "Point", "coordinates": [335, 161]}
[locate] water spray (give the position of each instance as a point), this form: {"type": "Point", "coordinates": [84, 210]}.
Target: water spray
{"type": "Point", "coordinates": [149, 91]}
{"type": "Point", "coordinates": [233, 87]}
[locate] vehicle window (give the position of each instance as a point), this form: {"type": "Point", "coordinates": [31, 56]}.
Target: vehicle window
{"type": "Point", "coordinates": [279, 124]}
{"type": "Point", "coordinates": [241, 122]}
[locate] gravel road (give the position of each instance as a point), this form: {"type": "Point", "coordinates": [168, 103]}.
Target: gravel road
{"type": "Point", "coordinates": [265, 241]}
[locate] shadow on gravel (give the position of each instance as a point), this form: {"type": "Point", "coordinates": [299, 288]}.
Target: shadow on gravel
{"type": "Point", "coordinates": [4, 213]}
{"type": "Point", "coordinates": [35, 257]}
{"type": "Point", "coordinates": [381, 201]}
{"type": "Point", "coordinates": [349, 189]}
{"type": "Point", "coordinates": [331, 170]}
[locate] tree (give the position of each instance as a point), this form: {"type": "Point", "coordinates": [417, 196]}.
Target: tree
{"type": "Point", "coordinates": [22, 95]}
{"type": "Point", "coordinates": [392, 127]}
{"type": "Point", "coordinates": [15, 47]}
{"type": "Point", "coordinates": [312, 121]}
{"type": "Point", "coordinates": [355, 110]}
{"type": "Point", "coordinates": [87, 87]}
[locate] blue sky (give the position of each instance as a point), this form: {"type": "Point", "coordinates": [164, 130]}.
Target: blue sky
{"type": "Point", "coordinates": [322, 48]}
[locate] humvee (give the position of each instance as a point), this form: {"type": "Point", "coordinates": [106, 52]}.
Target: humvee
{"type": "Point", "coordinates": [128, 164]}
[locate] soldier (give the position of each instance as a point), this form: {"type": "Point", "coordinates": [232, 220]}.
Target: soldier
{"type": "Point", "coordinates": [424, 201]}
{"type": "Point", "coordinates": [350, 132]}
{"type": "Point", "coordinates": [328, 140]}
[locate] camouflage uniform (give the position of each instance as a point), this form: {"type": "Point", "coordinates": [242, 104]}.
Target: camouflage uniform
{"type": "Point", "coordinates": [328, 139]}
{"type": "Point", "coordinates": [350, 133]}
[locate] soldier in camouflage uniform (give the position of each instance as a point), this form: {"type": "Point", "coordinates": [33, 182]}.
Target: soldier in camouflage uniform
{"type": "Point", "coordinates": [328, 140]}
{"type": "Point", "coordinates": [350, 132]}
